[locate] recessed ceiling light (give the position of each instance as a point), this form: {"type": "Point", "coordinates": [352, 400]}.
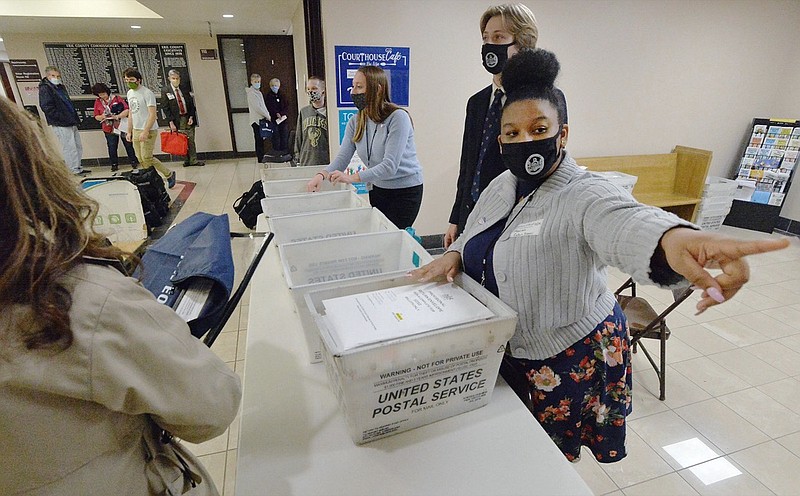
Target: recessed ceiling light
{"type": "Point", "coordinates": [228, 16]}
{"type": "Point", "coordinates": [136, 27]}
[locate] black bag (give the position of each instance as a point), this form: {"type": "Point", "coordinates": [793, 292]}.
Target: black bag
{"type": "Point", "coordinates": [155, 199]}
{"type": "Point", "coordinates": [248, 206]}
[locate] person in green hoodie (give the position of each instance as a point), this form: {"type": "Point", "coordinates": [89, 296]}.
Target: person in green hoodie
{"type": "Point", "coordinates": [311, 140]}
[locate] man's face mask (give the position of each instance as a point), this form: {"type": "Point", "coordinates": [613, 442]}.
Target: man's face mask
{"type": "Point", "coordinates": [495, 57]}
{"type": "Point", "coordinates": [315, 95]}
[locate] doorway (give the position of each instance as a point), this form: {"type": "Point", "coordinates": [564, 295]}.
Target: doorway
{"type": "Point", "coordinates": [270, 56]}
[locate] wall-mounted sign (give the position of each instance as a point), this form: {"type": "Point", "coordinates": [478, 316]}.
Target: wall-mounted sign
{"type": "Point", "coordinates": [344, 117]}
{"type": "Point", "coordinates": [26, 70]}
{"type": "Point", "coordinates": [393, 60]}
{"type": "Point", "coordinates": [208, 54]}
{"type": "Point", "coordinates": [84, 64]}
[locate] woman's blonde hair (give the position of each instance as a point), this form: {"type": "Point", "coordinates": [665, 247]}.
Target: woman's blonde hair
{"type": "Point", "coordinates": [518, 20]}
{"type": "Point", "coordinates": [379, 106]}
{"type": "Point", "coordinates": [46, 228]}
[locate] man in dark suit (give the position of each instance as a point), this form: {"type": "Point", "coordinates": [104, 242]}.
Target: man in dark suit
{"type": "Point", "coordinates": [178, 106]}
{"type": "Point", "coordinates": [505, 29]}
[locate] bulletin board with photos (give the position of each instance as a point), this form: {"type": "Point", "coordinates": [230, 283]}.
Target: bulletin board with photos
{"type": "Point", "coordinates": [769, 159]}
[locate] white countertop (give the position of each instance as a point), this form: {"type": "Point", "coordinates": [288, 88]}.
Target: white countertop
{"type": "Point", "coordinates": [293, 439]}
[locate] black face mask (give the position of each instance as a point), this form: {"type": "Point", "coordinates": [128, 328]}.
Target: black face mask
{"type": "Point", "coordinates": [495, 57]}
{"type": "Point", "coordinates": [359, 100]}
{"type": "Point", "coordinates": [532, 160]}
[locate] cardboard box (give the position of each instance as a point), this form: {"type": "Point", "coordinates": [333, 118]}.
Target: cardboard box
{"type": "Point", "coordinates": [286, 187]}
{"type": "Point", "coordinates": [334, 262]}
{"type": "Point", "coordinates": [274, 206]}
{"type": "Point", "coordinates": [392, 386]}
{"type": "Point", "coordinates": [329, 224]}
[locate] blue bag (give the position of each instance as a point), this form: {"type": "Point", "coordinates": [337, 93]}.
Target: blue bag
{"type": "Point", "coordinates": [267, 128]}
{"type": "Point", "coordinates": [190, 269]}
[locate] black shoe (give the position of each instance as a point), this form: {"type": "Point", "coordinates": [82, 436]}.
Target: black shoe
{"type": "Point", "coordinates": [114, 167]}
{"type": "Point", "coordinates": [171, 180]}
{"type": "Point", "coordinates": [196, 164]}
{"type": "Point", "coordinates": [83, 172]}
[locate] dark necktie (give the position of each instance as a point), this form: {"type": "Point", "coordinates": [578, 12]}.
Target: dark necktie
{"type": "Point", "coordinates": [179, 97]}
{"type": "Point", "coordinates": [491, 129]}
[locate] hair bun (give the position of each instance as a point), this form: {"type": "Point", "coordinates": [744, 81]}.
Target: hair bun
{"type": "Point", "coordinates": [535, 68]}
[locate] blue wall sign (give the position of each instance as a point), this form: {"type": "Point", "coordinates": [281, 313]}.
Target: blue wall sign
{"type": "Point", "coordinates": [393, 60]}
{"type": "Point", "coordinates": [344, 117]}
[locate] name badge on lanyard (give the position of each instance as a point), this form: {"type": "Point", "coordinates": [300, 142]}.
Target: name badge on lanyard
{"type": "Point", "coordinates": [528, 229]}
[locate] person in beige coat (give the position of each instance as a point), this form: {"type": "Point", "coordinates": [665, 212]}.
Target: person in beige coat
{"type": "Point", "coordinates": [92, 368]}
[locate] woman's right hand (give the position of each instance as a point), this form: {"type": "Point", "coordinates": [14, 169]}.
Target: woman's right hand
{"type": "Point", "coordinates": [448, 266]}
{"type": "Point", "coordinates": [315, 183]}
{"type": "Point", "coordinates": [450, 235]}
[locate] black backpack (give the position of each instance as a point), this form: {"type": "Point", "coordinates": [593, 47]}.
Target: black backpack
{"type": "Point", "coordinates": [248, 206]}
{"type": "Point", "coordinates": [155, 199]}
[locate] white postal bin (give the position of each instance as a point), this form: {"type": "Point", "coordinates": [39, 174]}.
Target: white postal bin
{"type": "Point", "coordinates": [279, 173]}
{"type": "Point", "coordinates": [625, 181]}
{"type": "Point", "coordinates": [315, 202]}
{"type": "Point", "coordinates": [286, 187]}
{"type": "Point", "coordinates": [334, 262]}
{"type": "Point", "coordinates": [396, 385]}
{"type": "Point", "coordinates": [330, 224]}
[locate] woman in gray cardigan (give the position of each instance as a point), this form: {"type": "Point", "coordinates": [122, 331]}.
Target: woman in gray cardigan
{"type": "Point", "coordinates": [540, 238]}
{"type": "Point", "coordinates": [382, 134]}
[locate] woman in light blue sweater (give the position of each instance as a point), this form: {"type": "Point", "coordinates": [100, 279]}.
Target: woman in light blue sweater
{"type": "Point", "coordinates": [383, 136]}
{"type": "Point", "coordinates": [540, 238]}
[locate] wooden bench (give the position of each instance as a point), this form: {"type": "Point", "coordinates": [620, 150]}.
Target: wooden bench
{"type": "Point", "coordinates": [673, 181]}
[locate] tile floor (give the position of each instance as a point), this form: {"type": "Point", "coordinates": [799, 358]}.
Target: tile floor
{"type": "Point", "coordinates": [730, 424]}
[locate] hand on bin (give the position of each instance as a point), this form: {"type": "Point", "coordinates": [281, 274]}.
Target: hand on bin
{"type": "Point", "coordinates": [447, 266]}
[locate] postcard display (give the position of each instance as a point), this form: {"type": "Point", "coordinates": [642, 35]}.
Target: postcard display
{"type": "Point", "coordinates": [767, 165]}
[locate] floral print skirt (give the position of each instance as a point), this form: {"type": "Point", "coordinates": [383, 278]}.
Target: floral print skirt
{"type": "Point", "coordinates": [582, 395]}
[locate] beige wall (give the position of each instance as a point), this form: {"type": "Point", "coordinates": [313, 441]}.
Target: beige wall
{"type": "Point", "coordinates": [640, 76]}
{"type": "Point", "coordinates": [213, 134]}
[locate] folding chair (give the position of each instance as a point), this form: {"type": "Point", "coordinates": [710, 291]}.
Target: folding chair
{"type": "Point", "coordinates": [644, 322]}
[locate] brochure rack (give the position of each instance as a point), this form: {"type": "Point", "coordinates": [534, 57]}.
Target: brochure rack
{"type": "Point", "coordinates": [767, 164]}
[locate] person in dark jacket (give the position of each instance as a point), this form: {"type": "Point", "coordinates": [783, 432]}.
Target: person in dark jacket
{"type": "Point", "coordinates": [505, 30]}
{"type": "Point", "coordinates": [278, 108]}
{"type": "Point", "coordinates": [62, 118]}
{"type": "Point", "coordinates": [177, 102]}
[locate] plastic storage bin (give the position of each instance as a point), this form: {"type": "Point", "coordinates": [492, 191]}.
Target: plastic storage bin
{"type": "Point", "coordinates": [330, 224]}
{"type": "Point", "coordinates": [274, 206]}
{"type": "Point", "coordinates": [325, 263]}
{"type": "Point", "coordinates": [396, 385]}
{"type": "Point", "coordinates": [286, 187]}
{"type": "Point", "coordinates": [280, 173]}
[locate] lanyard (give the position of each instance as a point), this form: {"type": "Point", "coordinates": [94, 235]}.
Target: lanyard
{"type": "Point", "coordinates": [369, 145]}
{"type": "Point", "coordinates": [490, 248]}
